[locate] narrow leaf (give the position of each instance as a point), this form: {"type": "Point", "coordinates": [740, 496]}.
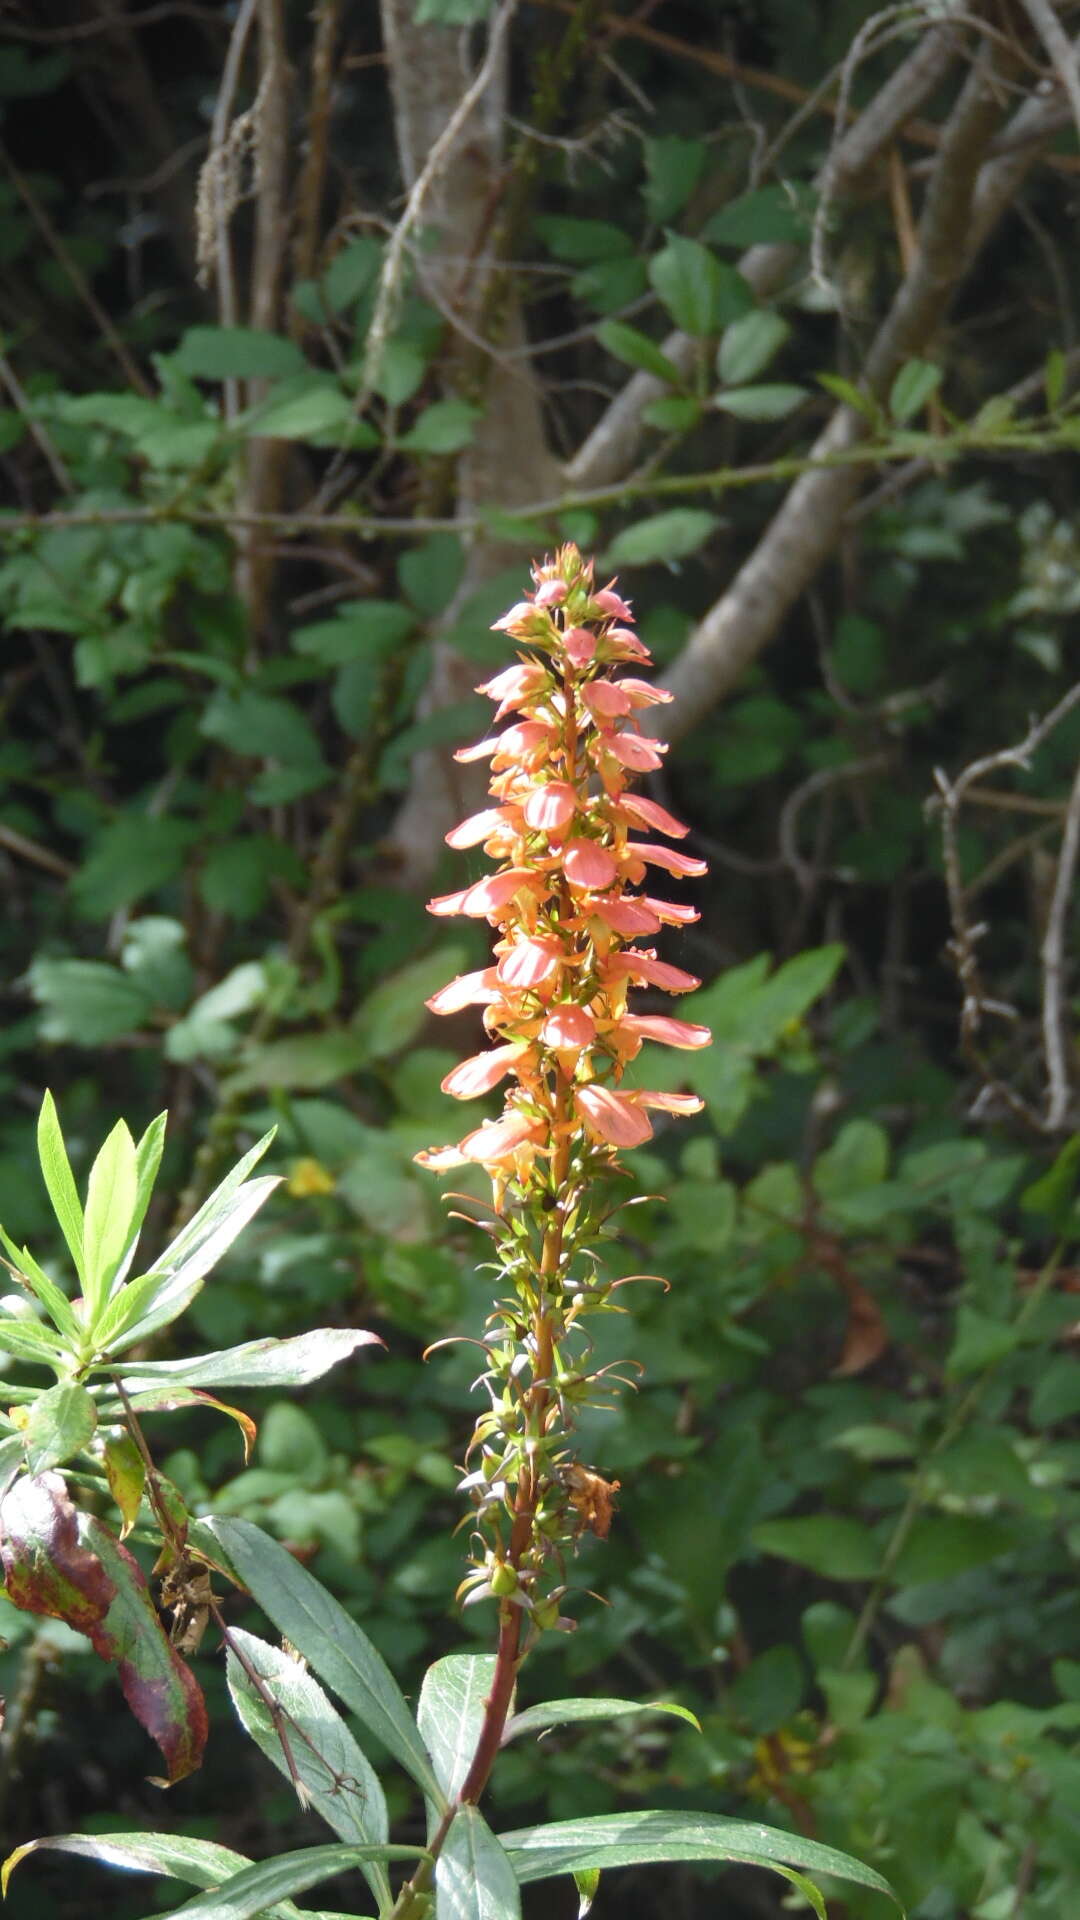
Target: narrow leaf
{"type": "Point", "coordinates": [60, 1181]}
{"type": "Point", "coordinates": [638, 1839]}
{"type": "Point", "coordinates": [473, 1877]}
{"type": "Point", "coordinates": [558, 1713]}
{"type": "Point", "coordinates": [310, 1744]}
{"type": "Point", "coordinates": [110, 1204]}
{"type": "Point", "coordinates": [258, 1363]}
{"type": "Point", "coordinates": [53, 1299]}
{"type": "Point", "coordinates": [450, 1714]}
{"type": "Point", "coordinates": [320, 1629]}
{"type": "Point", "coordinates": [30, 1341]}
{"type": "Point", "coordinates": [252, 1890]}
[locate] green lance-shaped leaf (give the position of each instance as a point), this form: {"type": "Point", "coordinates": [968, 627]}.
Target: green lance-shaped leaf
{"type": "Point", "coordinates": [560, 1713]}
{"type": "Point", "coordinates": [199, 1863]}
{"type": "Point", "coordinates": [320, 1629]}
{"type": "Point", "coordinates": [474, 1879]}
{"type": "Point", "coordinates": [111, 1194]}
{"type": "Point", "coordinates": [641, 1839]}
{"type": "Point", "coordinates": [60, 1181]}
{"type": "Point", "coordinates": [27, 1339]}
{"type": "Point", "coordinates": [258, 1363]}
{"type": "Point", "coordinates": [322, 1759]}
{"type": "Point", "coordinates": [60, 1424]}
{"type": "Point", "coordinates": [256, 1888]}
{"type": "Point", "coordinates": [69, 1567]}
{"type": "Point", "coordinates": [53, 1299]}
{"type": "Point", "coordinates": [450, 1714]}
{"type": "Point", "coordinates": [155, 1298]}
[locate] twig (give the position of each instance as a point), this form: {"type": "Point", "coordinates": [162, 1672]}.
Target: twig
{"type": "Point", "coordinates": [213, 208]}
{"type": "Point", "coordinates": [965, 937]}
{"type": "Point", "coordinates": [37, 431]}
{"type": "Point", "coordinates": [75, 274]}
{"type": "Point", "coordinates": [820, 782]}
{"type": "Point", "coordinates": [390, 280]}
{"type": "Point", "coordinates": [1062, 56]}
{"type": "Point", "coordinates": [1056, 1038]}
{"type": "Point", "coordinates": [37, 855]}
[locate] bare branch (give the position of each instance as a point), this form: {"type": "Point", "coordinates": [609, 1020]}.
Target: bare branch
{"type": "Point", "coordinates": [1062, 55]}
{"type": "Point", "coordinates": [1056, 1039]}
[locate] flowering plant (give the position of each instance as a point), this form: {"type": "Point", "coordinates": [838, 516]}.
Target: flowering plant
{"type": "Point", "coordinates": [568, 920]}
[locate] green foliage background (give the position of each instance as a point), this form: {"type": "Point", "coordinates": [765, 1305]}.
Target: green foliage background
{"type": "Point", "coordinates": [849, 1512]}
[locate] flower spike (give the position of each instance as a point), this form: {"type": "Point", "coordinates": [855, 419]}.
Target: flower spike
{"type": "Point", "coordinates": [564, 902]}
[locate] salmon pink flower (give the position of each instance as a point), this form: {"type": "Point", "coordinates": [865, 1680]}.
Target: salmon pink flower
{"type": "Point", "coordinates": [661, 1026]}
{"type": "Point", "coordinates": [568, 1025]}
{"type": "Point", "coordinates": [580, 646]}
{"type": "Point", "coordinates": [588, 865]}
{"type": "Point", "coordinates": [471, 1078]}
{"type": "Point", "coordinates": [468, 990]}
{"type": "Point", "coordinates": [647, 813]}
{"type": "Point", "coordinates": [479, 827]}
{"type": "Point", "coordinates": [530, 960]}
{"type": "Point", "coordinates": [609, 602]}
{"type": "Point", "coordinates": [549, 809]}
{"type": "Point", "coordinates": [614, 1118]}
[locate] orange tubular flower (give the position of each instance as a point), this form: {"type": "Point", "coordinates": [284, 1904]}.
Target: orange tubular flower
{"type": "Point", "coordinates": [563, 898]}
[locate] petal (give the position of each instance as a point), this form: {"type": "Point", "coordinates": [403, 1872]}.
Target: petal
{"type": "Point", "coordinates": [499, 1140]}
{"type": "Point", "coordinates": [551, 594]}
{"type": "Point", "coordinates": [621, 644]}
{"type": "Point", "coordinates": [647, 813]}
{"type": "Point", "coordinates": [670, 1102]}
{"type": "Point", "coordinates": [551, 808]}
{"type": "Point", "coordinates": [441, 1159]}
{"type": "Point", "coordinates": [520, 611]}
{"type": "Point", "coordinates": [612, 1117]}
{"type": "Point", "coordinates": [568, 1025]}
{"type": "Point", "coordinates": [671, 915]}
{"type": "Point", "coordinates": [587, 864]}
{"type": "Point", "coordinates": [678, 863]}
{"type": "Point", "coordinates": [642, 693]}
{"type": "Point", "coordinates": [446, 903]}
{"type": "Point", "coordinates": [579, 645]}
{"type": "Point", "coordinates": [478, 827]}
{"type": "Point", "coordinates": [529, 961]}
{"type": "Point", "coordinates": [610, 602]}
{"type": "Point", "coordinates": [605, 700]}
{"type": "Point", "coordinates": [477, 1075]}
{"type": "Point", "coordinates": [630, 750]}
{"type": "Point", "coordinates": [660, 1026]}
{"type": "Point", "coordinates": [478, 989]}
{"type": "Point", "coordinates": [625, 916]}
{"type": "Point", "coordinates": [647, 968]}
{"type": "Point", "coordinates": [493, 893]}
{"type": "Point", "coordinates": [523, 744]}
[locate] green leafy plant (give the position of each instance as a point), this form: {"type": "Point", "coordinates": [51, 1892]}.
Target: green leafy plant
{"type": "Point", "coordinates": [567, 916]}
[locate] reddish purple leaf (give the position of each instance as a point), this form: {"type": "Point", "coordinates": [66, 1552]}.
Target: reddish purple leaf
{"type": "Point", "coordinates": [69, 1566]}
